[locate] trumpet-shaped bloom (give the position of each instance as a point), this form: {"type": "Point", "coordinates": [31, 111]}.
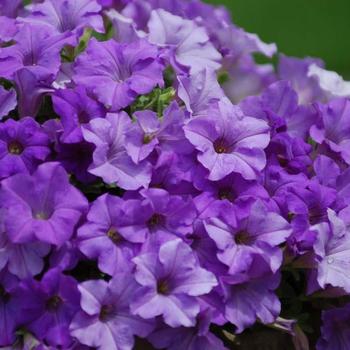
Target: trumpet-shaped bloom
{"type": "Point", "coordinates": [171, 279]}
{"type": "Point", "coordinates": [229, 141]}
{"type": "Point", "coordinates": [42, 206]}
{"type": "Point", "coordinates": [128, 70]}
{"type": "Point", "coordinates": [110, 159]}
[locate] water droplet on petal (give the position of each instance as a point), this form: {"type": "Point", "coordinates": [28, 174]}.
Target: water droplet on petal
{"type": "Point", "coordinates": [330, 260]}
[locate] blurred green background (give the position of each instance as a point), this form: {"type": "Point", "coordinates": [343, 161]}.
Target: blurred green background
{"type": "Point", "coordinates": [318, 28]}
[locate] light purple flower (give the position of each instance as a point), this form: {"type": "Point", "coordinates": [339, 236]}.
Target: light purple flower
{"type": "Point", "coordinates": [255, 299]}
{"type": "Point", "coordinates": [75, 108]}
{"type": "Point", "coordinates": [186, 45]}
{"type": "Point", "coordinates": [41, 206]}
{"type": "Point", "coordinates": [171, 279]}
{"type": "Point", "coordinates": [296, 71]}
{"type": "Point", "coordinates": [166, 216]}
{"type": "Point", "coordinates": [110, 159]}
{"type": "Point", "coordinates": [128, 70]}
{"type": "Point", "coordinates": [149, 131]}
{"type": "Point", "coordinates": [105, 321]}
{"type": "Point", "coordinates": [52, 302]}
{"type": "Point", "coordinates": [228, 141]}
{"type": "Point", "coordinates": [36, 47]}
{"type": "Point", "coordinates": [254, 238]}
{"type": "Point", "coordinates": [198, 90]}
{"type": "Point", "coordinates": [113, 232]}
{"type": "Point", "coordinates": [22, 260]}
{"type": "Point", "coordinates": [31, 88]}
{"type": "Point", "coordinates": [68, 16]}
{"type": "Point", "coordinates": [23, 146]}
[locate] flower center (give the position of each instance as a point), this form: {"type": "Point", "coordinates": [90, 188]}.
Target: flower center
{"type": "Point", "coordinates": [53, 303]}
{"type": "Point", "coordinates": [114, 236]}
{"type": "Point", "coordinates": [222, 146]}
{"type": "Point", "coordinates": [147, 138]}
{"type": "Point", "coordinates": [41, 216]}
{"type": "Point", "coordinates": [163, 287]}
{"type": "Point", "coordinates": [106, 313]}
{"type": "Point", "coordinates": [226, 193]}
{"type": "Point", "coordinates": [282, 160]}
{"type": "Point", "coordinates": [243, 238]}
{"type": "Point", "coordinates": [156, 220]}
{"type": "Point", "coordinates": [15, 147]}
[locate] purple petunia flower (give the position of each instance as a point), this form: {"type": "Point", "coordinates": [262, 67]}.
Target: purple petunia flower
{"type": "Point", "coordinates": [232, 143]}
{"type": "Point", "coordinates": [199, 90]}
{"type": "Point", "coordinates": [110, 159]}
{"type": "Point", "coordinates": [129, 70]}
{"type": "Point", "coordinates": [252, 300]}
{"type": "Point", "coordinates": [36, 47]}
{"type": "Point", "coordinates": [296, 71]}
{"type": "Point", "coordinates": [75, 108]}
{"type": "Point", "coordinates": [22, 260]}
{"type": "Point", "coordinates": [53, 303]}
{"type": "Point", "coordinates": [23, 146]}
{"type": "Point", "coordinates": [150, 131]}
{"type": "Point", "coordinates": [41, 206]}
{"type": "Point", "coordinates": [171, 280]}
{"type": "Point", "coordinates": [105, 321]}
{"type": "Point", "coordinates": [31, 88]}
{"type": "Point", "coordinates": [68, 16]}
{"type": "Point", "coordinates": [253, 239]}
{"type": "Point", "coordinates": [182, 41]}
{"type": "Point", "coordinates": [113, 232]}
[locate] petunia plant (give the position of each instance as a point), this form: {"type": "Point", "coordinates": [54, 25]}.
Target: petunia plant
{"type": "Point", "coordinates": [162, 189]}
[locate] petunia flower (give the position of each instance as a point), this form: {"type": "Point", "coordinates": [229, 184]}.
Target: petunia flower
{"type": "Point", "coordinates": [75, 108]}
{"type": "Point", "coordinates": [53, 303]}
{"type": "Point", "coordinates": [229, 141]}
{"type": "Point", "coordinates": [23, 146]}
{"type": "Point", "coordinates": [187, 45]}
{"type": "Point", "coordinates": [110, 159]}
{"type": "Point", "coordinates": [68, 16]}
{"type": "Point", "coordinates": [36, 47]}
{"type": "Point", "coordinates": [255, 299]}
{"type": "Point", "coordinates": [22, 260]}
{"type": "Point", "coordinates": [43, 206]}
{"type": "Point", "coordinates": [199, 90]}
{"type": "Point", "coordinates": [149, 132]}
{"type": "Point", "coordinates": [254, 238]}
{"type": "Point", "coordinates": [105, 321]}
{"type": "Point", "coordinates": [128, 70]}
{"type": "Point", "coordinates": [113, 232]}
{"type": "Point", "coordinates": [171, 279]}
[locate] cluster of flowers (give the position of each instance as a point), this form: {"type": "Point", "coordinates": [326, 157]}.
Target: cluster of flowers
{"type": "Point", "coordinates": [159, 184]}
